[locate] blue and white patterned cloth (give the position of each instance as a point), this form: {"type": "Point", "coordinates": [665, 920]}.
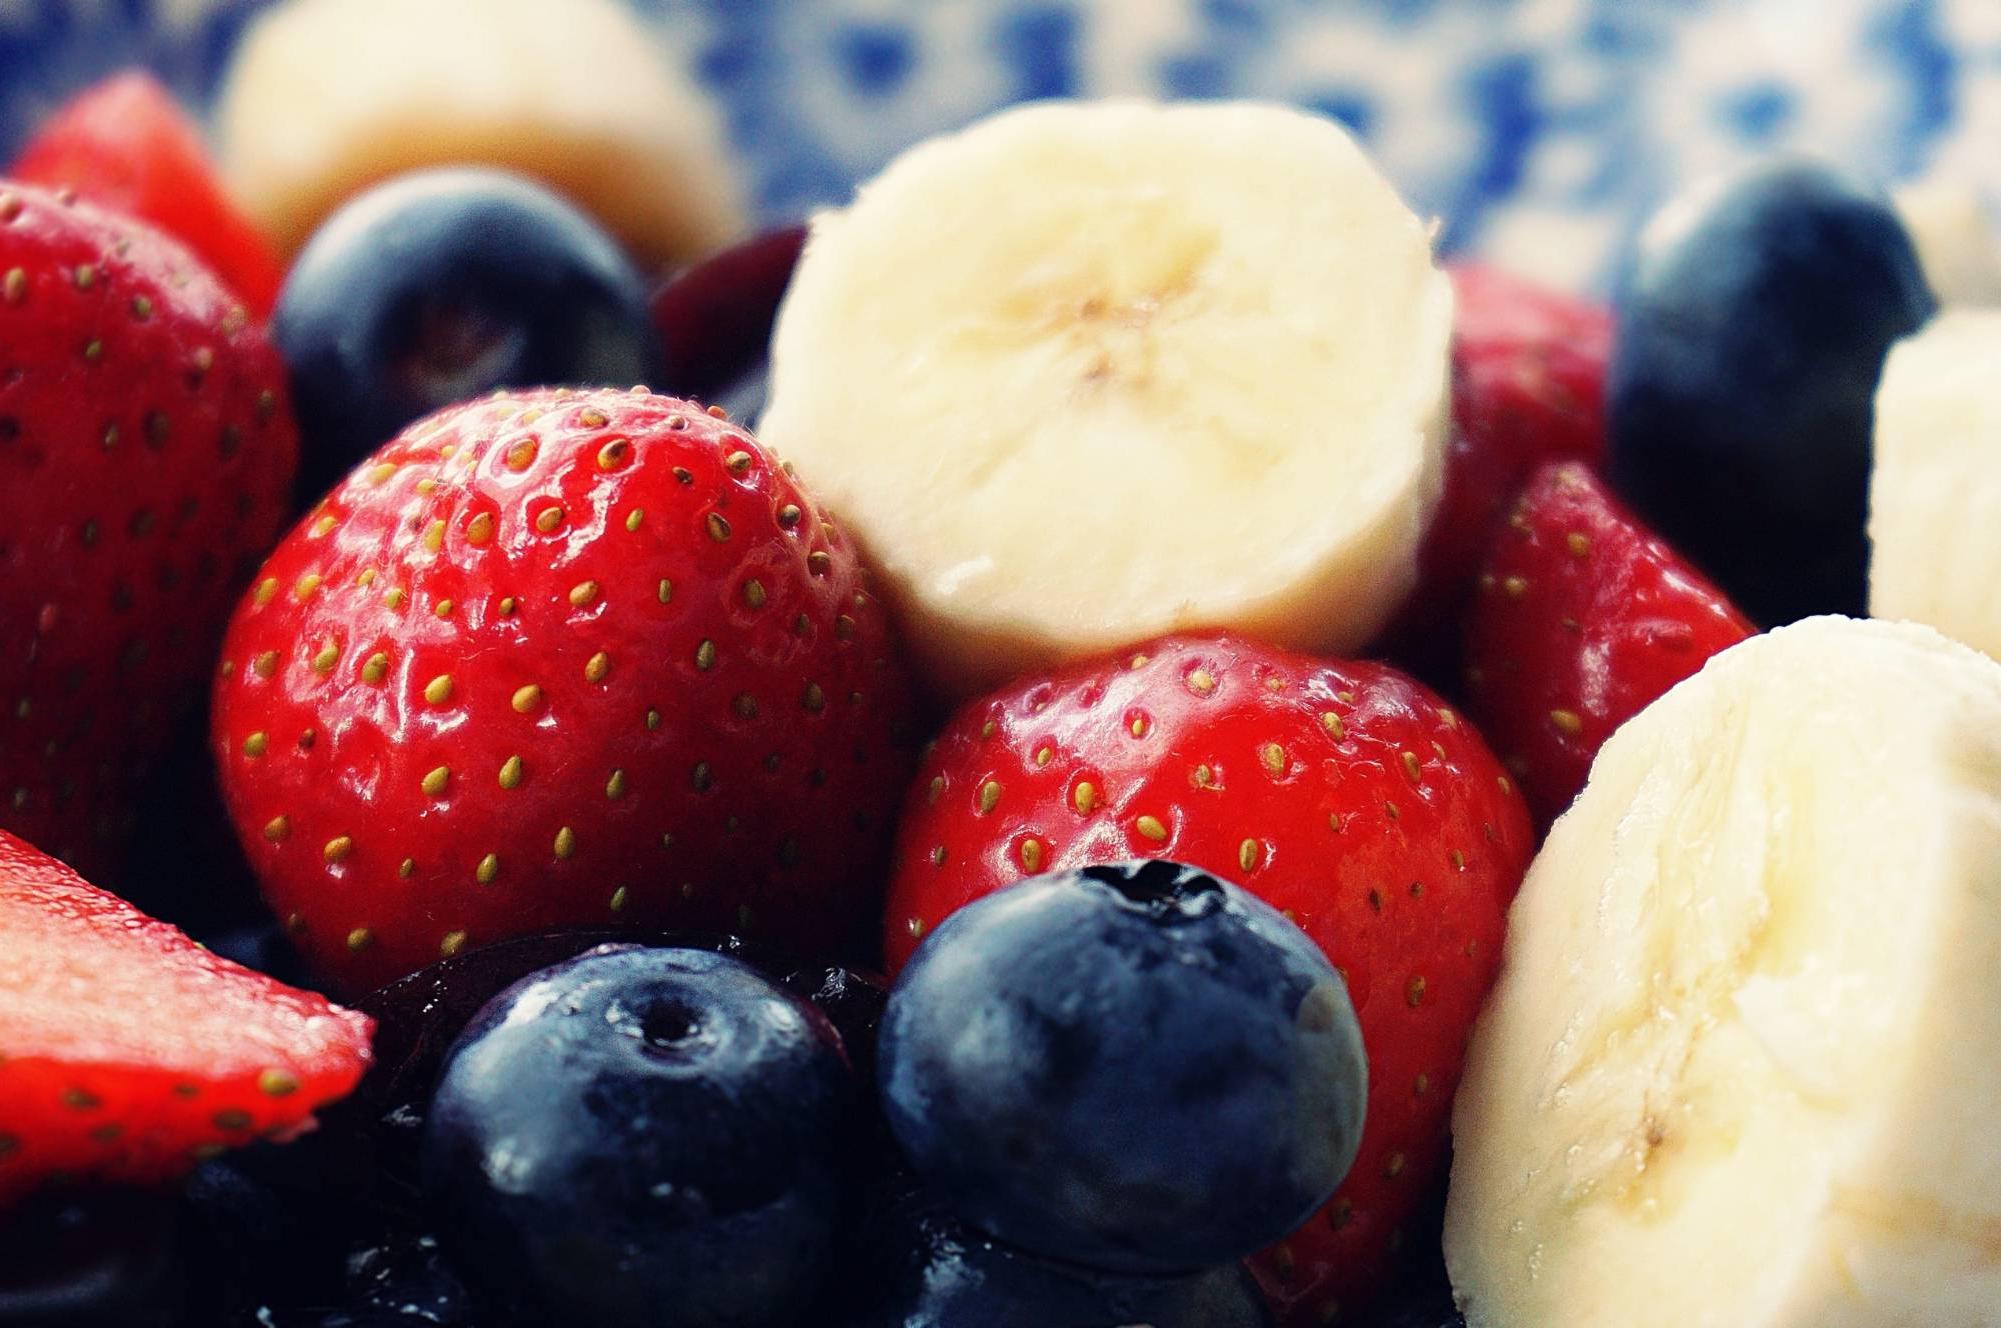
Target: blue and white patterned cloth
{"type": "Point", "coordinates": [1539, 131]}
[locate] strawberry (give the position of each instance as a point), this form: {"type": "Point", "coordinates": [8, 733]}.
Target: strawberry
{"type": "Point", "coordinates": [1345, 794]}
{"type": "Point", "coordinates": [1581, 617]}
{"type": "Point", "coordinates": [146, 450]}
{"type": "Point", "coordinates": [131, 1052]}
{"type": "Point", "coordinates": [554, 659]}
{"type": "Point", "coordinates": [126, 145]}
{"type": "Point", "coordinates": [1528, 386]}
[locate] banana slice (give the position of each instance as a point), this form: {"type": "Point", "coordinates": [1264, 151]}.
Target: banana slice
{"type": "Point", "coordinates": [1954, 235]}
{"type": "Point", "coordinates": [1085, 373]}
{"type": "Point", "coordinates": [1935, 489]}
{"type": "Point", "coordinates": [325, 97]}
{"type": "Point", "coordinates": [1743, 1066]}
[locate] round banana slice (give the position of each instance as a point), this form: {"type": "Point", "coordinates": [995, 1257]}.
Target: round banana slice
{"type": "Point", "coordinates": [1085, 373]}
{"type": "Point", "coordinates": [325, 97]}
{"type": "Point", "coordinates": [1955, 238]}
{"type": "Point", "coordinates": [1935, 489]}
{"type": "Point", "coordinates": [1742, 1065]}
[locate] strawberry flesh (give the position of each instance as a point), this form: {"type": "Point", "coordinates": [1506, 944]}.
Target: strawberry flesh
{"type": "Point", "coordinates": [131, 1053]}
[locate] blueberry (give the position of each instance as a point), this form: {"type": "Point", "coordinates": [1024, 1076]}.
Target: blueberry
{"type": "Point", "coordinates": [637, 1129]}
{"type": "Point", "coordinates": [1139, 1068]}
{"type": "Point", "coordinates": [89, 1258]}
{"type": "Point", "coordinates": [442, 284]}
{"type": "Point", "coordinates": [924, 1269]}
{"type": "Point", "coordinates": [1751, 335]}
{"type": "Point", "coordinates": [418, 1018]}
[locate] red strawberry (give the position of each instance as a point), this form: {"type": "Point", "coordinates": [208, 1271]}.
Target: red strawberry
{"type": "Point", "coordinates": [146, 450]}
{"type": "Point", "coordinates": [1345, 794]}
{"type": "Point", "coordinates": [1582, 616]}
{"type": "Point", "coordinates": [132, 1052]}
{"type": "Point", "coordinates": [1528, 386]}
{"type": "Point", "coordinates": [553, 659]}
{"type": "Point", "coordinates": [126, 145]}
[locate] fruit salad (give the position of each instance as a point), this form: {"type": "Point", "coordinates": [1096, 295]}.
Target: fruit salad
{"type": "Point", "coordinates": [1097, 735]}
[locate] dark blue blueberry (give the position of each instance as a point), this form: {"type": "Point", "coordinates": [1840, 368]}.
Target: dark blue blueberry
{"type": "Point", "coordinates": [924, 1269]}
{"type": "Point", "coordinates": [418, 1018]}
{"type": "Point", "coordinates": [1138, 1068]}
{"type": "Point", "coordinates": [1751, 336]}
{"type": "Point", "coordinates": [440, 285]}
{"type": "Point", "coordinates": [100, 1258]}
{"type": "Point", "coordinates": [638, 1129]}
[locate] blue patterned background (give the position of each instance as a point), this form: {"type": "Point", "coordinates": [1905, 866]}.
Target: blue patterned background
{"type": "Point", "coordinates": [1540, 131]}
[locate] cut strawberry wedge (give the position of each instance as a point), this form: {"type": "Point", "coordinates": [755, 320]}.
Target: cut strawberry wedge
{"type": "Point", "coordinates": [129, 1052]}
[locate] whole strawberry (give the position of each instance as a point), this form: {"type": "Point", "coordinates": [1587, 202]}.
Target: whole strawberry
{"type": "Point", "coordinates": [1344, 794]}
{"type": "Point", "coordinates": [146, 448]}
{"type": "Point", "coordinates": [1528, 386]}
{"type": "Point", "coordinates": [131, 1052]}
{"type": "Point", "coordinates": [1582, 616]}
{"type": "Point", "coordinates": [561, 658]}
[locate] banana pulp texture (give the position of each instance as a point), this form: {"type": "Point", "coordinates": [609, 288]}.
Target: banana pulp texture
{"type": "Point", "coordinates": [325, 97]}
{"type": "Point", "coordinates": [1935, 490]}
{"type": "Point", "coordinates": [1743, 1065]}
{"type": "Point", "coordinates": [1954, 234]}
{"type": "Point", "coordinates": [1085, 373]}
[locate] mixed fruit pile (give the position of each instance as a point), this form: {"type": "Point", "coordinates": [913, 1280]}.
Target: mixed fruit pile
{"type": "Point", "coordinates": [1105, 742]}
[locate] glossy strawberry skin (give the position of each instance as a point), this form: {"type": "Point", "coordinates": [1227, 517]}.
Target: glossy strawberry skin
{"type": "Point", "coordinates": [560, 659]}
{"type": "Point", "coordinates": [1528, 386]}
{"type": "Point", "coordinates": [146, 448]}
{"type": "Point", "coordinates": [1344, 794]}
{"type": "Point", "coordinates": [132, 1052]}
{"type": "Point", "coordinates": [1581, 617]}
{"type": "Point", "coordinates": [126, 145]}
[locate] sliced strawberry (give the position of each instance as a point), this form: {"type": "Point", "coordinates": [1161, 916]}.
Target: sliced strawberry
{"type": "Point", "coordinates": [1582, 616]}
{"type": "Point", "coordinates": [146, 451]}
{"type": "Point", "coordinates": [1345, 794]}
{"type": "Point", "coordinates": [557, 659]}
{"type": "Point", "coordinates": [1528, 386]}
{"type": "Point", "coordinates": [126, 145]}
{"type": "Point", "coordinates": [130, 1052]}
